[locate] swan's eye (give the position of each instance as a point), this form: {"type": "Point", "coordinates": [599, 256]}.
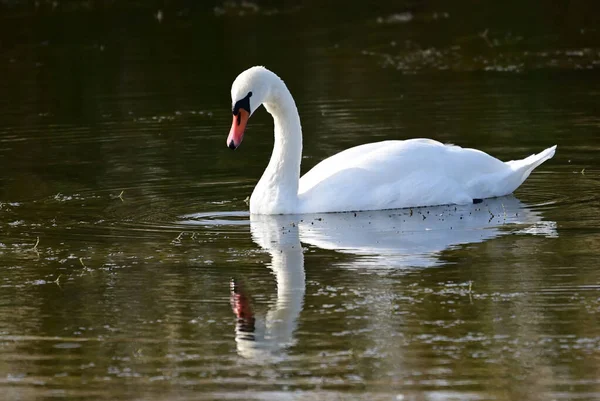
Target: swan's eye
{"type": "Point", "coordinates": [242, 104]}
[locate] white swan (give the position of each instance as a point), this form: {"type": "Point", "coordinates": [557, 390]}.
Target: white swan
{"type": "Point", "coordinates": [381, 175]}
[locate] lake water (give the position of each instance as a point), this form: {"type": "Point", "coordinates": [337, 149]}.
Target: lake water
{"type": "Point", "coordinates": [130, 268]}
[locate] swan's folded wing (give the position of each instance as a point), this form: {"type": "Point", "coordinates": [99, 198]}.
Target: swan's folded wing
{"type": "Point", "coordinates": [396, 174]}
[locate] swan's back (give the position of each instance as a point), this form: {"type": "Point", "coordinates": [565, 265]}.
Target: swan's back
{"type": "Point", "coordinates": [396, 174]}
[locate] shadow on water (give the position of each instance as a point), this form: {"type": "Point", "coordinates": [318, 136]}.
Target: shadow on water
{"type": "Point", "coordinates": [398, 239]}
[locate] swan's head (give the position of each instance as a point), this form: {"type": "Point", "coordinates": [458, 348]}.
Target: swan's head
{"type": "Point", "coordinates": [249, 90]}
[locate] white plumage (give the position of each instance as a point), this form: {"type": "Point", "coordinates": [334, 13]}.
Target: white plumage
{"type": "Point", "coordinates": [382, 175]}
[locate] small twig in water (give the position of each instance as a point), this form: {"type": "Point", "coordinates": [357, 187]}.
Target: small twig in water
{"type": "Point", "coordinates": [583, 171]}
{"type": "Point", "coordinates": [82, 264]}
{"type": "Point", "coordinates": [37, 242]}
{"type": "Point", "coordinates": [121, 196]}
{"type": "Point", "coordinates": [484, 36]}
{"type": "Point", "coordinates": [57, 281]}
{"type": "Point", "coordinates": [470, 291]}
{"type": "Point", "coordinates": [178, 239]}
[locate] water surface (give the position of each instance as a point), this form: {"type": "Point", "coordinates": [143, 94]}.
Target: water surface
{"type": "Point", "coordinates": [130, 268]}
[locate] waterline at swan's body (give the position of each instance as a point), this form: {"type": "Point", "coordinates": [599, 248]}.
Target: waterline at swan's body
{"type": "Point", "coordinates": [381, 175]}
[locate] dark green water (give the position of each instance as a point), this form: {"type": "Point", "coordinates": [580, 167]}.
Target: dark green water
{"type": "Point", "coordinates": [112, 156]}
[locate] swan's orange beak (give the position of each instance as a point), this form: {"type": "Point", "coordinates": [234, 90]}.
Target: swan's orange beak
{"type": "Point", "coordinates": [238, 126]}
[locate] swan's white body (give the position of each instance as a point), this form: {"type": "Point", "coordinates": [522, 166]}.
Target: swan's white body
{"type": "Point", "coordinates": [381, 175]}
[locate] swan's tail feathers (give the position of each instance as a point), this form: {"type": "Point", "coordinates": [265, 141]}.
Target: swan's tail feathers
{"type": "Point", "coordinates": [529, 163]}
{"type": "Point", "coordinates": [522, 168]}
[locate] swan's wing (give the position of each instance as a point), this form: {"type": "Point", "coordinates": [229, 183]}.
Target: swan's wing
{"type": "Point", "coordinates": [395, 174]}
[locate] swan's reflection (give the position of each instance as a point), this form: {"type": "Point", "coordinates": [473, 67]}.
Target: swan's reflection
{"type": "Point", "coordinates": [393, 238]}
{"type": "Point", "coordinates": [264, 338]}
{"type": "Point", "coordinates": [416, 237]}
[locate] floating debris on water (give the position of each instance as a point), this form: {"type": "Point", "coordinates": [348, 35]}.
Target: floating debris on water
{"type": "Point", "coordinates": [396, 18]}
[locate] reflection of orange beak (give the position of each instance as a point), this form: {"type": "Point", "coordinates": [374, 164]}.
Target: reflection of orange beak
{"type": "Point", "coordinates": [236, 134]}
{"type": "Point", "coordinates": [240, 302]}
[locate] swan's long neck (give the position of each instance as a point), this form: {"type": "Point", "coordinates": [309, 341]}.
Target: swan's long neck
{"type": "Point", "coordinates": [277, 190]}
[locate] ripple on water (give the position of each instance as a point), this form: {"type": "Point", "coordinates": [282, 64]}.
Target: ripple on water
{"type": "Point", "coordinates": [216, 219]}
